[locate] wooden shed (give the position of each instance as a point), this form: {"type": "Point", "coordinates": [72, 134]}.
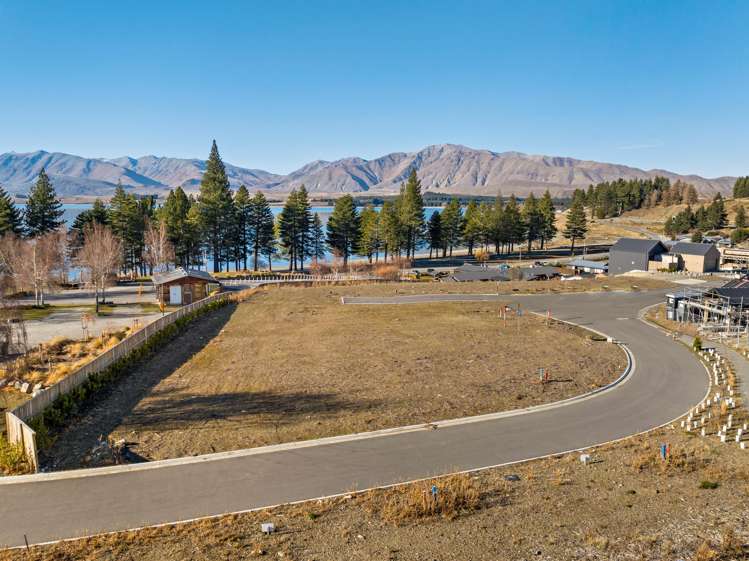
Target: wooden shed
{"type": "Point", "coordinates": [180, 286]}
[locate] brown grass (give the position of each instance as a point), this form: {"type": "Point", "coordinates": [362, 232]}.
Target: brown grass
{"type": "Point", "coordinates": [605, 510]}
{"type": "Point", "coordinates": [455, 495]}
{"type": "Point", "coordinates": [293, 364]}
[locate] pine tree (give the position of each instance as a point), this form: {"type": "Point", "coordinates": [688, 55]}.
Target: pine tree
{"type": "Point", "coordinates": [174, 212]}
{"type": "Point", "coordinates": [434, 233]}
{"type": "Point", "coordinates": [126, 222]}
{"type": "Point", "coordinates": [493, 222]}
{"type": "Point", "coordinates": [533, 219]}
{"type": "Point", "coordinates": [317, 239]}
{"type": "Point", "coordinates": [471, 226]}
{"type": "Point", "coordinates": [452, 225]}
{"type": "Point", "coordinates": [303, 217]}
{"type": "Point", "coordinates": [344, 228]}
{"type": "Point", "coordinates": [242, 213]}
{"type": "Point", "coordinates": [576, 226]}
{"type": "Point", "coordinates": [261, 236]}
{"type": "Point", "coordinates": [514, 222]}
{"type": "Point", "coordinates": [11, 221]}
{"type": "Point", "coordinates": [690, 196]}
{"type": "Point", "coordinates": [548, 213]}
{"type": "Point", "coordinates": [391, 230]}
{"type": "Point", "coordinates": [43, 208]}
{"type": "Point", "coordinates": [716, 213]}
{"type": "Point", "coordinates": [741, 187]}
{"type": "Point", "coordinates": [371, 238]}
{"type": "Point", "coordinates": [411, 213]}
{"type": "Point", "coordinates": [740, 219]}
{"type": "Point", "coordinates": [215, 207]}
{"type": "Point", "coordinates": [97, 214]}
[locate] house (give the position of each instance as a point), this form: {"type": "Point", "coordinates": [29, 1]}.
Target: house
{"type": "Point", "coordinates": [182, 286]}
{"type": "Point", "coordinates": [468, 273]}
{"type": "Point", "coordinates": [538, 272]}
{"type": "Point", "coordinates": [629, 254]}
{"type": "Point", "coordinates": [587, 266]}
{"type": "Point", "coordinates": [697, 257]}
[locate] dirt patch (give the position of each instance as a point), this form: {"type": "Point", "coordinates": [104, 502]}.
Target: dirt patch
{"type": "Point", "coordinates": [627, 504]}
{"type": "Point", "coordinates": [657, 315]}
{"type": "Point", "coordinates": [294, 364]}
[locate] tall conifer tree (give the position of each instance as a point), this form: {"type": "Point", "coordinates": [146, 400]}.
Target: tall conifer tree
{"type": "Point", "coordinates": [11, 221]}
{"type": "Point", "coordinates": [215, 207]}
{"type": "Point", "coordinates": [43, 208]}
{"type": "Point", "coordinates": [343, 228]}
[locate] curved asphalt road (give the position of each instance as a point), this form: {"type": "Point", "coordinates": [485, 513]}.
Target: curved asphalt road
{"type": "Point", "coordinates": [666, 382]}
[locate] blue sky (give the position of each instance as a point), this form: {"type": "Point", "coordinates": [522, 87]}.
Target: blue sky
{"type": "Point", "coordinates": [657, 84]}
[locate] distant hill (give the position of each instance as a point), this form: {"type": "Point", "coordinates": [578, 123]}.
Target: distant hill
{"type": "Point", "coordinates": [446, 168]}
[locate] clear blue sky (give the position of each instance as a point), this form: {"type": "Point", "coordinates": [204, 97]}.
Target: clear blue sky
{"type": "Point", "coordinates": [655, 84]}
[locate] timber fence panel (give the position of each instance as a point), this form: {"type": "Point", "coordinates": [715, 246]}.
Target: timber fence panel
{"type": "Point", "coordinates": [42, 400]}
{"type": "Point", "coordinates": [22, 434]}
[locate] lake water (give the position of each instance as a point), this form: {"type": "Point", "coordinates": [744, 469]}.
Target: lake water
{"type": "Point", "coordinates": [74, 209]}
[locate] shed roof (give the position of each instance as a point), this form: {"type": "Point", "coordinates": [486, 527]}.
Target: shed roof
{"type": "Point", "coordinates": [530, 273]}
{"type": "Point", "coordinates": [690, 248]}
{"type": "Point", "coordinates": [180, 273]}
{"type": "Point", "coordinates": [737, 283]}
{"type": "Point", "coordinates": [734, 295]}
{"type": "Point", "coordinates": [468, 272]}
{"type": "Point", "coordinates": [588, 264]}
{"type": "Point", "coordinates": [636, 245]}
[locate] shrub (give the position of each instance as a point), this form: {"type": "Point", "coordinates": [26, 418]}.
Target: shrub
{"type": "Point", "coordinates": [697, 344]}
{"type": "Point", "coordinates": [12, 458]}
{"type": "Point", "coordinates": [709, 484]}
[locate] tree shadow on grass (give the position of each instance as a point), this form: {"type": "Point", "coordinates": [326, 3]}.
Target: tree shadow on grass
{"type": "Point", "coordinates": [171, 410]}
{"type": "Point", "coordinates": [102, 414]}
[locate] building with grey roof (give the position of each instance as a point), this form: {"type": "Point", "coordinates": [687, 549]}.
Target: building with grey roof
{"type": "Point", "coordinates": [697, 257]}
{"type": "Point", "coordinates": [630, 254]}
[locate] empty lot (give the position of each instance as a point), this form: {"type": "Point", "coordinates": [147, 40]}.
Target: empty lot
{"type": "Point", "coordinates": [293, 363]}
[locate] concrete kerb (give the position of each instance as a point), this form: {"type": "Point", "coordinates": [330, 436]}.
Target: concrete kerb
{"type": "Point", "coordinates": [91, 472]}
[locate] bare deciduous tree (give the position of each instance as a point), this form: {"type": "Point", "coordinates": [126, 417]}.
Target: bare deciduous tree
{"type": "Point", "coordinates": [100, 258]}
{"type": "Point", "coordinates": [159, 250]}
{"type": "Point", "coordinates": [33, 264]}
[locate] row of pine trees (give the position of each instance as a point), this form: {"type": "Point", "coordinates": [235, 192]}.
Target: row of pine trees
{"type": "Point", "coordinates": [238, 230]}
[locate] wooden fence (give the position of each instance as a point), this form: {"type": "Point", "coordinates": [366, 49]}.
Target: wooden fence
{"type": "Point", "coordinates": [247, 280]}
{"type": "Point", "coordinates": [21, 433]}
{"type": "Point", "coordinates": [42, 400]}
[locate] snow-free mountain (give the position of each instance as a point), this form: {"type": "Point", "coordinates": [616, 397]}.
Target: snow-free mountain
{"type": "Point", "coordinates": [445, 168]}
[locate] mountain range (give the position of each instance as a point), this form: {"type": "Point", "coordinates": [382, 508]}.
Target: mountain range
{"type": "Point", "coordinates": [446, 168]}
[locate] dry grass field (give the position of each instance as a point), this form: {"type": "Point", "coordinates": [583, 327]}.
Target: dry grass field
{"type": "Point", "coordinates": [293, 364]}
{"type": "Point", "coordinates": [627, 504]}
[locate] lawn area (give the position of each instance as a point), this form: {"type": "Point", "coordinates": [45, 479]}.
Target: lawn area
{"type": "Point", "coordinates": [293, 364]}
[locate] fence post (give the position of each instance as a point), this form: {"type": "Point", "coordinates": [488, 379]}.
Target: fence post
{"type": "Point", "coordinates": [20, 433]}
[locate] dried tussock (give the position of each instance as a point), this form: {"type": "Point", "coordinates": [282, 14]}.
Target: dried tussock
{"type": "Point", "coordinates": [56, 359]}
{"type": "Point", "coordinates": [447, 497]}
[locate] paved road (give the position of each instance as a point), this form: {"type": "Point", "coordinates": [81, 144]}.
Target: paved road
{"type": "Point", "coordinates": [67, 323]}
{"type": "Point", "coordinates": [666, 382]}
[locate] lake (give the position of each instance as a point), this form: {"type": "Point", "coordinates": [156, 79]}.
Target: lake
{"type": "Point", "coordinates": [71, 210]}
